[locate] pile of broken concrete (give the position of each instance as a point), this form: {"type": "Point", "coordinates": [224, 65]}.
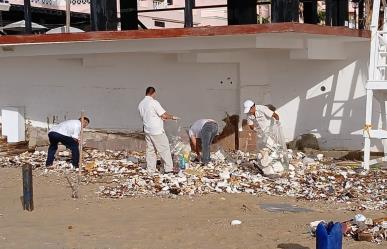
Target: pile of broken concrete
{"type": "Point", "coordinates": [300, 176]}
{"type": "Point", "coordinates": [360, 228]}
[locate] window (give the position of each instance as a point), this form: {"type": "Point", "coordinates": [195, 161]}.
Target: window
{"type": "Point", "coordinates": [170, 2]}
{"type": "Point", "coordinates": [160, 24]}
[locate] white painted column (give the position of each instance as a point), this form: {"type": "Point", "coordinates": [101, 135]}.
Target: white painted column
{"type": "Point", "coordinates": [371, 76]}
{"type": "Point", "coordinates": [13, 124]}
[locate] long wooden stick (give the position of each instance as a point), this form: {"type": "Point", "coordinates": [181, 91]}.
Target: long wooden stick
{"type": "Point", "coordinates": [81, 143]}
{"type": "Point", "coordinates": [76, 194]}
{"type": "Point", "coordinates": [68, 15]}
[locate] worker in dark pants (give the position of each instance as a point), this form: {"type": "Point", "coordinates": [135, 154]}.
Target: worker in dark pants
{"type": "Point", "coordinates": [206, 130]}
{"type": "Point", "coordinates": [66, 133]}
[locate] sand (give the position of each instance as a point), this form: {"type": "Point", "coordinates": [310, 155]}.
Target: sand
{"type": "Point", "coordinates": [60, 221]}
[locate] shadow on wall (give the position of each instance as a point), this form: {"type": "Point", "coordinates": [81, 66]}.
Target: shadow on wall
{"type": "Point", "coordinates": [228, 137]}
{"type": "Point", "coordinates": [333, 109]}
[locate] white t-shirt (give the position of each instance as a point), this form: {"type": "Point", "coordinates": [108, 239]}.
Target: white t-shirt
{"type": "Point", "coordinates": [197, 127]}
{"type": "Point", "coordinates": [69, 128]}
{"type": "Point", "coordinates": [150, 112]}
{"type": "Point", "coordinates": [263, 116]}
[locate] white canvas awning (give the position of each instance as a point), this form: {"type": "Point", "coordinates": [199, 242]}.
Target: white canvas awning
{"type": "Point", "coordinates": [63, 30]}
{"type": "Point", "coordinates": [21, 25]}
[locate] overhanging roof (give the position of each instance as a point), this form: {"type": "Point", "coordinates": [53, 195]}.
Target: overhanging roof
{"type": "Point", "coordinates": [185, 32]}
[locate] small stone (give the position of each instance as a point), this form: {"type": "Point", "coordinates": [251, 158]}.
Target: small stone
{"type": "Point", "coordinates": [319, 157]}
{"type": "Point", "coordinates": [224, 175]}
{"type": "Point", "coordinates": [268, 171]}
{"type": "Point", "coordinates": [278, 167]}
{"type": "Point", "coordinates": [360, 218]}
{"type": "Point", "coordinates": [308, 161]}
{"type": "Point", "coordinates": [236, 222]}
{"type": "Point", "coordinates": [369, 222]}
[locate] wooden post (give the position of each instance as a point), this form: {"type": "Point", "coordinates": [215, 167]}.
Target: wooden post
{"type": "Point", "coordinates": [360, 18]}
{"type": "Point", "coordinates": [188, 16]}
{"type": "Point", "coordinates": [28, 200]}
{"type": "Point", "coordinates": [76, 189]}
{"type": "Point", "coordinates": [241, 12]}
{"type": "Point", "coordinates": [129, 14]}
{"type": "Point", "coordinates": [103, 15]}
{"type": "Point", "coordinates": [68, 16]}
{"type": "Point", "coordinates": [336, 12]}
{"type": "Point", "coordinates": [284, 11]}
{"type": "Point", "coordinates": [81, 143]}
{"type": "Point", "coordinates": [27, 17]}
{"type": "Point", "coordinates": [310, 12]}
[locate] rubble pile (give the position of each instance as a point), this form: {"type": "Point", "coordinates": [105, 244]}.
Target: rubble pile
{"type": "Point", "coordinates": [360, 228]}
{"type": "Point", "coordinates": [11, 149]}
{"type": "Point", "coordinates": [306, 178]}
{"type": "Point", "coordinates": [366, 229]}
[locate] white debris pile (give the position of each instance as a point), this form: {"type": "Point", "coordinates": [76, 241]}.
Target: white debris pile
{"type": "Point", "coordinates": [366, 229]}
{"type": "Point", "coordinates": [360, 228]}
{"type": "Point", "coordinates": [273, 157]}
{"type": "Point", "coordinates": [309, 178]}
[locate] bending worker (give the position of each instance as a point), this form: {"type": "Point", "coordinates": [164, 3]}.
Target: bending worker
{"type": "Point", "coordinates": [206, 130]}
{"type": "Point", "coordinates": [259, 116]}
{"type": "Point", "coordinates": [66, 133]}
{"type": "Point", "coordinates": [153, 116]}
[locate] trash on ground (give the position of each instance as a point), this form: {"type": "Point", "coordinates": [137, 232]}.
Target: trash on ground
{"type": "Point", "coordinates": [306, 178]}
{"type": "Point", "coordinates": [359, 228]}
{"type": "Point", "coordinates": [236, 222]}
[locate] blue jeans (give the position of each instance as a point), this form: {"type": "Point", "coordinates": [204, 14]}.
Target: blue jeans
{"type": "Point", "coordinates": [69, 142]}
{"type": "Point", "coordinates": [207, 134]}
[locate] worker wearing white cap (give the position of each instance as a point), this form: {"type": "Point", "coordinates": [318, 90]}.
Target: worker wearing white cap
{"type": "Point", "coordinates": [259, 116]}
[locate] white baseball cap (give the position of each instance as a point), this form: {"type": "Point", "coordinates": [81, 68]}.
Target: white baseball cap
{"type": "Point", "coordinates": [247, 105]}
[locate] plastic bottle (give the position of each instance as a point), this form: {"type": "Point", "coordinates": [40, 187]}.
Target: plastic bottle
{"type": "Point", "coordinates": [181, 161]}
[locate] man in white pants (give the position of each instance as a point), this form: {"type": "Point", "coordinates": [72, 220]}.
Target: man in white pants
{"type": "Point", "coordinates": [153, 116]}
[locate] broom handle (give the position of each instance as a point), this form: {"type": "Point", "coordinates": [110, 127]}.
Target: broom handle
{"type": "Point", "coordinates": [81, 144]}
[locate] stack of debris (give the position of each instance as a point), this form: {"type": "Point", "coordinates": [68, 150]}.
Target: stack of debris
{"type": "Point", "coordinates": [361, 228]}
{"type": "Point", "coordinates": [307, 178]}
{"type": "Point", "coordinates": [273, 158]}
{"type": "Point", "coordinates": [11, 149]}
{"type": "Point", "coordinates": [366, 229]}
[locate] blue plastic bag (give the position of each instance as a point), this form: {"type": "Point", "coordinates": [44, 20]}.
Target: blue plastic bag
{"type": "Point", "coordinates": [329, 236]}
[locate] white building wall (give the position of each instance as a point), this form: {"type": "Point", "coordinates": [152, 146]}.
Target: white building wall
{"type": "Point", "coordinates": [109, 92]}
{"type": "Point", "coordinates": [195, 85]}
{"type": "Point", "coordinates": [323, 97]}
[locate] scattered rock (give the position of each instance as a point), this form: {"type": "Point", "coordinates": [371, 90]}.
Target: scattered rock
{"type": "Point", "coordinates": [236, 222]}
{"type": "Point", "coordinates": [306, 178]}
{"type": "Point", "coordinates": [305, 141]}
{"type": "Point", "coordinates": [360, 218]}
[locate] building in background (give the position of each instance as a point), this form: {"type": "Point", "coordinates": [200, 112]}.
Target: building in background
{"type": "Point", "coordinates": [314, 75]}
{"type": "Point", "coordinates": [49, 13]}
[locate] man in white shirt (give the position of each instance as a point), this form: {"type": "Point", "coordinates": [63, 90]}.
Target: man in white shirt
{"type": "Point", "coordinates": [66, 133]}
{"type": "Point", "coordinates": [206, 130]}
{"type": "Point", "coordinates": [153, 116]}
{"type": "Point", "coordinates": [258, 116]}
